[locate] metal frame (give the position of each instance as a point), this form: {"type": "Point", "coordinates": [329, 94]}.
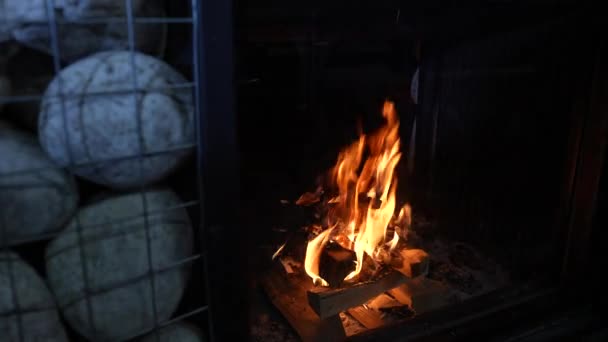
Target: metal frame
{"type": "Point", "coordinates": [208, 98]}
{"type": "Point", "coordinates": [226, 239]}
{"type": "Point", "coordinates": [588, 147]}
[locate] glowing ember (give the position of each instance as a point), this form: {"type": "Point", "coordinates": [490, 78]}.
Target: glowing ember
{"type": "Point", "coordinates": [366, 201]}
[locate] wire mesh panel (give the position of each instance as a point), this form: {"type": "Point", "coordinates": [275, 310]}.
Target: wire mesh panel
{"type": "Point", "coordinates": [100, 200]}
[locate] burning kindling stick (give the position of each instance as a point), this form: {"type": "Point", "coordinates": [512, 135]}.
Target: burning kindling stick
{"type": "Point", "coordinates": [278, 252]}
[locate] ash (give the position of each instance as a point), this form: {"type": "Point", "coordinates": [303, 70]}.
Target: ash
{"type": "Point", "coordinates": [458, 265]}
{"type": "Point", "coordinates": [351, 325]}
{"type": "Point", "coordinates": [266, 329]}
{"type": "Point", "coordinates": [463, 269]}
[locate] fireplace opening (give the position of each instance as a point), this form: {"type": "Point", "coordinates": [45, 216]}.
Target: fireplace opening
{"type": "Point", "coordinates": [404, 179]}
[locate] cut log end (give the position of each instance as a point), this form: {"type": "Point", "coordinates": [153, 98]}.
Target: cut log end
{"type": "Point", "coordinates": [335, 264]}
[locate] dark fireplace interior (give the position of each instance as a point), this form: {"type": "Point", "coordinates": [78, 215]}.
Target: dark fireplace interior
{"type": "Point", "coordinates": [501, 119]}
{"type": "Point", "coordinates": [490, 172]}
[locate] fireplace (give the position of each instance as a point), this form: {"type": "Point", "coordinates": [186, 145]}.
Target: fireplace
{"type": "Point", "coordinates": [489, 195]}
{"type": "Point", "coordinates": [395, 171]}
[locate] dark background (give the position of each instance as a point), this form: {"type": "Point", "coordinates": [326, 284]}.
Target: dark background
{"type": "Point", "coordinates": [498, 89]}
{"type": "Point", "coordinates": [504, 96]}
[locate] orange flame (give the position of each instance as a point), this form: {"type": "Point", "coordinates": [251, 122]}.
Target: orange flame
{"type": "Point", "coordinates": [367, 199]}
{"type": "Point", "coordinates": [313, 254]}
{"type": "Point", "coordinates": [405, 215]}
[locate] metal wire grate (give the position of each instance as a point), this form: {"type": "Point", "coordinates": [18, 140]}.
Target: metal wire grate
{"type": "Point", "coordinates": [184, 312]}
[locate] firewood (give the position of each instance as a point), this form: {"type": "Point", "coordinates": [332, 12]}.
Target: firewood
{"type": "Point", "coordinates": [368, 318]}
{"type": "Point", "coordinates": [343, 241]}
{"type": "Point", "coordinates": [335, 264]}
{"type": "Point", "coordinates": [383, 301]}
{"type": "Point", "coordinates": [410, 263]}
{"type": "Point", "coordinates": [288, 294]}
{"type": "Point", "coordinates": [310, 198]}
{"type": "Point", "coordinates": [327, 302]}
{"type": "Point", "coordinates": [289, 264]}
{"type": "Point", "coordinates": [422, 294]}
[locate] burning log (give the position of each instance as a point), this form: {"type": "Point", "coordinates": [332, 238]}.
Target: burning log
{"type": "Point", "coordinates": [411, 262]}
{"type": "Point", "coordinates": [327, 302]}
{"type": "Point", "coordinates": [356, 220]}
{"type": "Point", "coordinates": [336, 263]}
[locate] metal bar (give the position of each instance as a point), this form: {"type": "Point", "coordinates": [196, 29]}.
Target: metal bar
{"type": "Point", "coordinates": [467, 72]}
{"type": "Point", "coordinates": [591, 144]}
{"type": "Point", "coordinates": [103, 161]}
{"type": "Point", "coordinates": [125, 283]}
{"type": "Point", "coordinates": [151, 212]}
{"type": "Point", "coordinates": [106, 20]}
{"type": "Point", "coordinates": [433, 122]}
{"type": "Point", "coordinates": [121, 220]}
{"type": "Point", "coordinates": [224, 239]}
{"type": "Point", "coordinates": [50, 236]}
{"type": "Point", "coordinates": [142, 148]}
{"type": "Point", "coordinates": [554, 328]}
{"type": "Point", "coordinates": [54, 37]}
{"type": "Point", "coordinates": [428, 93]}
{"type": "Point", "coordinates": [109, 236]}
{"type": "Point", "coordinates": [169, 322]}
{"type": "Point", "coordinates": [184, 316]}
{"type": "Point", "coordinates": [12, 283]}
{"type": "Point", "coordinates": [126, 91]}
{"type": "Point", "coordinates": [434, 324]}
{"type": "Point", "coordinates": [197, 60]}
{"type": "Point", "coordinates": [23, 311]}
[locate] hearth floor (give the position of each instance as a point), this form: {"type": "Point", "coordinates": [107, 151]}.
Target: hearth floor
{"type": "Point", "coordinates": [463, 270]}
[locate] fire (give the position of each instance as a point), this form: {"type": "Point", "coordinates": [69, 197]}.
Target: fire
{"type": "Point", "coordinates": [366, 200]}
{"type": "Point", "coordinates": [313, 254]}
